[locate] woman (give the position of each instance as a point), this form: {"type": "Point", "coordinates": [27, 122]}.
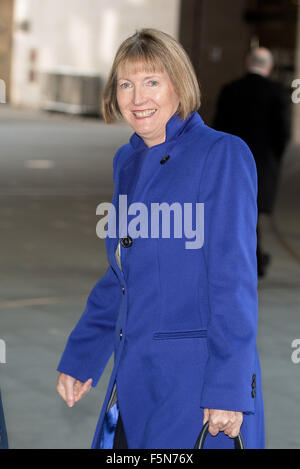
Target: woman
{"type": "Point", "coordinates": [182, 320]}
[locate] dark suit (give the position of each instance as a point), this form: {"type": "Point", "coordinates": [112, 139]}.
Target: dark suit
{"type": "Point", "coordinates": [256, 109]}
{"type": "Point", "coordinates": [3, 435]}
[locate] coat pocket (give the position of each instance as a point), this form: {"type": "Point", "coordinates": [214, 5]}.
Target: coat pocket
{"type": "Point", "coordinates": [198, 333]}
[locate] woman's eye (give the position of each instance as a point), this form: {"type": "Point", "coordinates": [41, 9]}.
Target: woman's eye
{"type": "Point", "coordinates": [153, 83]}
{"type": "Point", "coordinates": [125, 85]}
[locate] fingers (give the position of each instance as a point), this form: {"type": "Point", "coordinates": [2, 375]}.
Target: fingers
{"type": "Point", "coordinates": [217, 421]}
{"type": "Point", "coordinates": [228, 422]}
{"type": "Point", "coordinates": [64, 388]}
{"type": "Point", "coordinates": [214, 427]}
{"type": "Point", "coordinates": [82, 388]}
{"type": "Point", "coordinates": [70, 389]}
{"type": "Point", "coordinates": [205, 416]}
{"type": "Point", "coordinates": [233, 428]}
{"type": "Point", "coordinates": [232, 431]}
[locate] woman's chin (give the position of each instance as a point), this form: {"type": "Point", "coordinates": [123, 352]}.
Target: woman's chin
{"type": "Point", "coordinates": [143, 129]}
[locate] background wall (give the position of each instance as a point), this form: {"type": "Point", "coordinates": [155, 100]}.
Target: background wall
{"type": "Point", "coordinates": [211, 40]}
{"type": "Point", "coordinates": [80, 37]}
{"type": "Point", "coordinates": [6, 17]}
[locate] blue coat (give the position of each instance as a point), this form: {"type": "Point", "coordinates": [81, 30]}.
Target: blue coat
{"type": "Point", "coordinates": [188, 317]}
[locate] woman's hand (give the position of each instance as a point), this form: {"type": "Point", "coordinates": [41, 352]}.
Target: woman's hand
{"type": "Point", "coordinates": [71, 389]}
{"type": "Point", "coordinates": [225, 421]}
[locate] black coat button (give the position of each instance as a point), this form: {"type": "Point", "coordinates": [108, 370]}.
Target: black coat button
{"type": "Point", "coordinates": [126, 242]}
{"type": "Point", "coordinates": [165, 159]}
{"type": "Point", "coordinates": [123, 290]}
{"type": "Point", "coordinates": [121, 334]}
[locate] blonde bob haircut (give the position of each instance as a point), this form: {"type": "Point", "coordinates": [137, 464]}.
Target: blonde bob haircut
{"type": "Point", "coordinates": [151, 50]}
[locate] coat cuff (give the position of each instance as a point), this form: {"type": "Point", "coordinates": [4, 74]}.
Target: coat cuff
{"type": "Point", "coordinates": [83, 371]}
{"type": "Point", "coordinates": [237, 400]}
{"type": "Point", "coordinates": [72, 370]}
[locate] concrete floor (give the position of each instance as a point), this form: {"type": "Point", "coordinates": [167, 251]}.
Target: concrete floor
{"type": "Point", "coordinates": [51, 258]}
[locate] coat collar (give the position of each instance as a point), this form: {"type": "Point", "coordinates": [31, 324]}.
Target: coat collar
{"type": "Point", "coordinates": [174, 128]}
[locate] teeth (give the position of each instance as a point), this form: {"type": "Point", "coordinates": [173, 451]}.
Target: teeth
{"type": "Point", "coordinates": [145, 113]}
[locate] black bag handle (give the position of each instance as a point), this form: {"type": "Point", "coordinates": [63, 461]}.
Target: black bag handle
{"type": "Point", "coordinates": [238, 441]}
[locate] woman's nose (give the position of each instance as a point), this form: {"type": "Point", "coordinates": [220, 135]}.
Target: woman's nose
{"type": "Point", "coordinates": [138, 96]}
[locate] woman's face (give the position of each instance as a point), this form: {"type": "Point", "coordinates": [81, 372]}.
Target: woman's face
{"type": "Point", "coordinates": [147, 100]}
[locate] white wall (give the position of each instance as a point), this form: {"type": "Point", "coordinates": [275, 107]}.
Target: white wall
{"type": "Point", "coordinates": [80, 34]}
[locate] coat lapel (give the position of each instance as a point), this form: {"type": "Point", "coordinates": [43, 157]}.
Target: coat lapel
{"type": "Point", "coordinates": [139, 174]}
{"type": "Point", "coordinates": [144, 167]}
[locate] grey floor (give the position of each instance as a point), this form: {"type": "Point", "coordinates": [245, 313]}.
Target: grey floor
{"type": "Point", "coordinates": [51, 258]}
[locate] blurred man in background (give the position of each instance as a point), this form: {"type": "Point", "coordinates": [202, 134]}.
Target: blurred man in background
{"type": "Point", "coordinates": [256, 109]}
{"type": "Point", "coordinates": [3, 434]}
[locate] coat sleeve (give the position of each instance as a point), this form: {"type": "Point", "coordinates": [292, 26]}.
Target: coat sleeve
{"type": "Point", "coordinates": [91, 342]}
{"type": "Point", "coordinates": [229, 192]}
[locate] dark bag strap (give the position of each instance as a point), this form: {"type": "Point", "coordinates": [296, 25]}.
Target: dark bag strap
{"type": "Point", "coordinates": [238, 441]}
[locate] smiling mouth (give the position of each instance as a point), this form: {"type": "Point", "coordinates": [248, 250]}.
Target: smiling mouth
{"type": "Point", "coordinates": [143, 114]}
